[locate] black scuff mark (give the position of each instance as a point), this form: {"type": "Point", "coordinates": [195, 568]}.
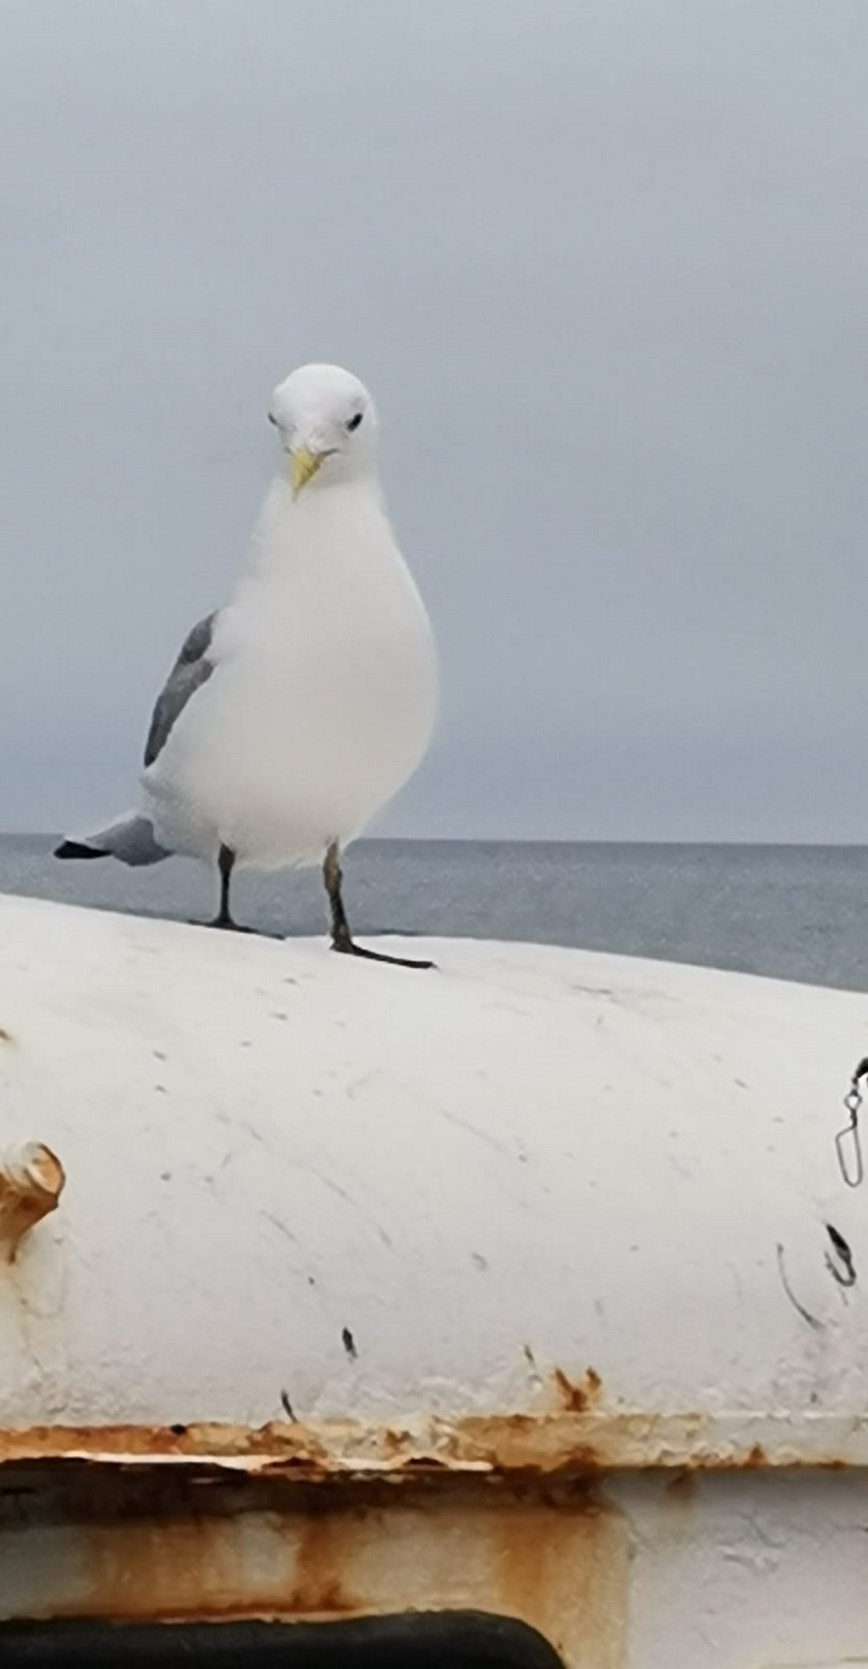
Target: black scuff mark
{"type": "Point", "coordinates": [841, 1267]}
{"type": "Point", "coordinates": [534, 1376]}
{"type": "Point", "coordinates": [277, 1223]}
{"type": "Point", "coordinates": [287, 1407]}
{"type": "Point", "coordinates": [349, 1344]}
{"type": "Point", "coordinates": [812, 1321]}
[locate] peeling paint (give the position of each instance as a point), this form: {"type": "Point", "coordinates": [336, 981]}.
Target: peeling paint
{"type": "Point", "coordinates": [559, 1444]}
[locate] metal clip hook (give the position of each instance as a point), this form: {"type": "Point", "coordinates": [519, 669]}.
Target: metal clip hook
{"type": "Point", "coordinates": [848, 1142]}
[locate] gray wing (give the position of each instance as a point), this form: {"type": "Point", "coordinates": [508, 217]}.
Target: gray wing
{"type": "Point", "coordinates": [192, 669]}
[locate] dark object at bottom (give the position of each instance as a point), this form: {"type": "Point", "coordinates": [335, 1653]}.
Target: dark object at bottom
{"type": "Point", "coordinates": [420, 1640]}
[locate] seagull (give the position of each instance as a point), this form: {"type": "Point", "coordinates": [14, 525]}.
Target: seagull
{"type": "Point", "coordinates": [295, 712]}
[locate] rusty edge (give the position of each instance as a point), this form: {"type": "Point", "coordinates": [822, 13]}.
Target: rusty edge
{"type": "Point", "coordinates": [561, 1444]}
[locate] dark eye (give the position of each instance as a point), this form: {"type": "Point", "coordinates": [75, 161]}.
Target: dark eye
{"type": "Point", "coordinates": [353, 422]}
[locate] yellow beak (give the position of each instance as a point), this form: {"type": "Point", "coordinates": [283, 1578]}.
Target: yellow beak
{"type": "Point", "coordinates": [303, 467]}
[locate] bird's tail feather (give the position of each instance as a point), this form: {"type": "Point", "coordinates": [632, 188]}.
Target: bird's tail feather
{"type": "Point", "coordinates": [131, 839]}
{"type": "Point", "coordinates": [78, 849]}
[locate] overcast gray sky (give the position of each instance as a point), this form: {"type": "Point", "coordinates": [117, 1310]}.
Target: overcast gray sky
{"type": "Point", "coordinates": [603, 266]}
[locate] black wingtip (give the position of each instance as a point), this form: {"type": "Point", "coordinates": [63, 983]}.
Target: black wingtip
{"type": "Point", "coordinates": [75, 849]}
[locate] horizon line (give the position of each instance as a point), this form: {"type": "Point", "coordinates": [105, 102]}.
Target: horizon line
{"type": "Point", "coordinates": [541, 840]}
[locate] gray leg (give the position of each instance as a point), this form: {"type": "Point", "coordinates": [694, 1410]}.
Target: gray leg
{"type": "Point", "coordinates": [342, 939]}
{"type": "Point", "coordinates": [224, 917]}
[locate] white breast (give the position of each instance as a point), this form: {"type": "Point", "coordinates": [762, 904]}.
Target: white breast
{"type": "Point", "coordinates": [324, 695]}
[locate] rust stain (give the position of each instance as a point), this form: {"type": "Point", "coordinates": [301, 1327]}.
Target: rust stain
{"type": "Point", "coordinates": [31, 1183]}
{"type": "Point", "coordinates": [238, 1565]}
{"type": "Point", "coordinates": [319, 1585]}
{"type": "Point", "coordinates": [520, 1562]}
{"type": "Point", "coordinates": [755, 1457]}
{"type": "Point", "coordinates": [533, 1580]}
{"type": "Point", "coordinates": [675, 1523]}
{"type": "Point", "coordinates": [556, 1557]}
{"type": "Point", "coordinates": [682, 1488]}
{"type": "Point", "coordinates": [577, 1396]}
{"type": "Point", "coordinates": [148, 1570]}
{"type": "Point", "coordinates": [395, 1442]}
{"type": "Point", "coordinates": [573, 1442]}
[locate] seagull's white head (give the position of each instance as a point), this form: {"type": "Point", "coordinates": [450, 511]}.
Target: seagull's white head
{"type": "Point", "coordinates": [327, 425]}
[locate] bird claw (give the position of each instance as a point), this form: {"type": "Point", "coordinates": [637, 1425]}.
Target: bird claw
{"type": "Point", "coordinates": [348, 947]}
{"type": "Point", "coordinates": [224, 924]}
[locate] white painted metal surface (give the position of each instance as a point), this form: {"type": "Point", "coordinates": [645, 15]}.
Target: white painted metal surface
{"type": "Point", "coordinates": [543, 1237]}
{"type": "Point", "coordinates": [386, 1194]}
